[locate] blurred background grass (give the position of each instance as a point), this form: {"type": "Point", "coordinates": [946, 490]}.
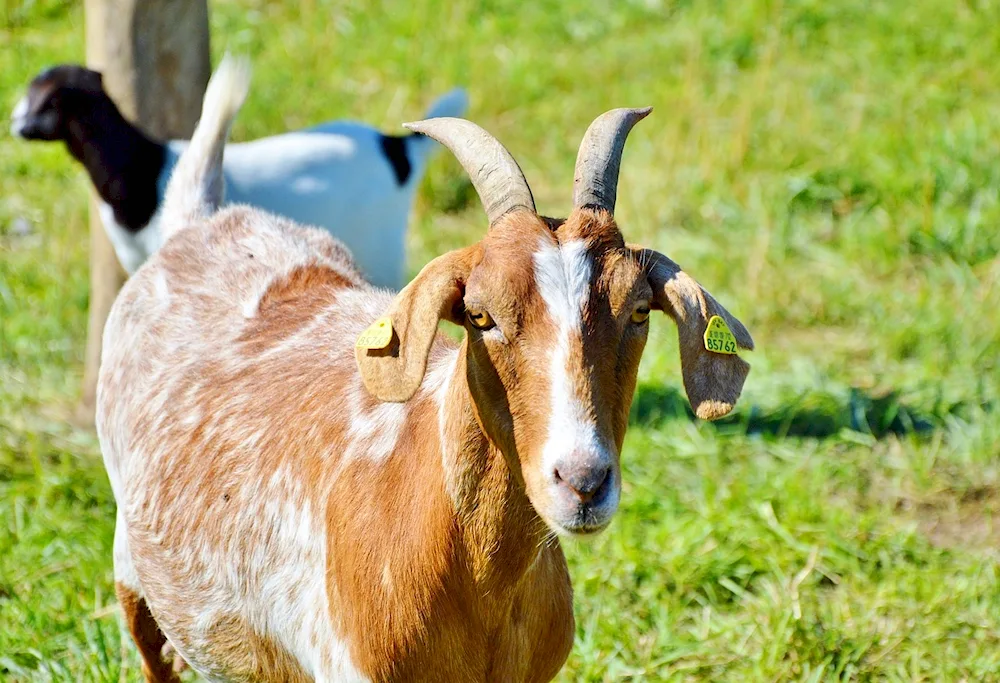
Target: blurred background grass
{"type": "Point", "coordinates": [828, 169]}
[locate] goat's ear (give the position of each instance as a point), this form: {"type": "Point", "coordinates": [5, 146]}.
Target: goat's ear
{"type": "Point", "coordinates": [713, 381]}
{"type": "Point", "coordinates": [394, 373]}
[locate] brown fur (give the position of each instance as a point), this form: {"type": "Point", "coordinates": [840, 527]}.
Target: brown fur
{"type": "Point", "coordinates": [251, 657]}
{"type": "Point", "coordinates": [448, 584]}
{"type": "Point", "coordinates": [452, 605]}
{"type": "Point", "coordinates": [232, 396]}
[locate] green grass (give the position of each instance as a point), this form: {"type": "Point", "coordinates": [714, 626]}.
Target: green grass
{"type": "Point", "coordinates": [831, 170]}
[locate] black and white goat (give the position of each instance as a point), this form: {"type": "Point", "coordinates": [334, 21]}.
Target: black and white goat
{"type": "Point", "coordinates": [343, 176]}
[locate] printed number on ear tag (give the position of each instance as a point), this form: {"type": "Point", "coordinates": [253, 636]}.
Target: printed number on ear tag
{"type": "Point", "coordinates": [718, 337]}
{"type": "Point", "coordinates": [377, 336]}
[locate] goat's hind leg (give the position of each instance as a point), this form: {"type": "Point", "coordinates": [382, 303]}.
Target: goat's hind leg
{"type": "Point", "coordinates": [146, 633]}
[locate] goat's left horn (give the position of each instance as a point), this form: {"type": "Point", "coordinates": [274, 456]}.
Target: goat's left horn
{"type": "Point", "coordinates": [595, 180]}
{"type": "Point", "coordinates": [495, 175]}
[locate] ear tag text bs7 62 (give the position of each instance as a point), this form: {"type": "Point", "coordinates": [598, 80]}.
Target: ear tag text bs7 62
{"type": "Point", "coordinates": [377, 335]}
{"type": "Point", "coordinates": [718, 337]}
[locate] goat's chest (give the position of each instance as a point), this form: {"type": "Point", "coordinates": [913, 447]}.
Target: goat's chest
{"type": "Point", "coordinates": [455, 634]}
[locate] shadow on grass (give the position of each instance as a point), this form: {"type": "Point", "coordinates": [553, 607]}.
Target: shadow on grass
{"type": "Point", "coordinates": [815, 416]}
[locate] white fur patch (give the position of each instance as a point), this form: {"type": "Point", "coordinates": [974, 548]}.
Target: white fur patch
{"type": "Point", "coordinates": [161, 288]}
{"type": "Point", "coordinates": [18, 116]}
{"type": "Point", "coordinates": [438, 382]}
{"type": "Point", "coordinates": [132, 248]}
{"type": "Point", "coordinates": [374, 432]}
{"type": "Point", "coordinates": [562, 274]}
{"type": "Point", "coordinates": [124, 569]}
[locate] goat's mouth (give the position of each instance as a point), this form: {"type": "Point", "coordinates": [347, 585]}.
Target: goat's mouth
{"type": "Point", "coordinates": [585, 530]}
{"type": "Point", "coordinates": [578, 529]}
{"type": "Point", "coordinates": [588, 521]}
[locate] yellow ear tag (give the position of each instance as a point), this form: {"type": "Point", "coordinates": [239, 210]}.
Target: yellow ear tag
{"type": "Point", "coordinates": [377, 336]}
{"type": "Point", "coordinates": [718, 338]}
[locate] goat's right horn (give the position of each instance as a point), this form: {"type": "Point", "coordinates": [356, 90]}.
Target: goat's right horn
{"type": "Point", "coordinates": [495, 175]}
{"type": "Point", "coordinates": [595, 180]}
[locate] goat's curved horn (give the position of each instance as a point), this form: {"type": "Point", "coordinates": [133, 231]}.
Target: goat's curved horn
{"type": "Point", "coordinates": [495, 175]}
{"type": "Point", "coordinates": [595, 180]}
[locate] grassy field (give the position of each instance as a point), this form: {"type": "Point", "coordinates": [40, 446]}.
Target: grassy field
{"type": "Point", "coordinates": [831, 170]}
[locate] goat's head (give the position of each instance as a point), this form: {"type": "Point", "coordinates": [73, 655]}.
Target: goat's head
{"type": "Point", "coordinates": [52, 97]}
{"type": "Point", "coordinates": [556, 317]}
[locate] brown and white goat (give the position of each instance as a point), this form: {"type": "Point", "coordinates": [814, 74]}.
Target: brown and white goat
{"type": "Point", "coordinates": [292, 508]}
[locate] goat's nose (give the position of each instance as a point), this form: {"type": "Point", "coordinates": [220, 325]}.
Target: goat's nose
{"type": "Point", "coordinates": [584, 479]}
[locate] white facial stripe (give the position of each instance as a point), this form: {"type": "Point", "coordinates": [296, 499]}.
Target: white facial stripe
{"type": "Point", "coordinates": [18, 115]}
{"type": "Point", "coordinates": [562, 275]}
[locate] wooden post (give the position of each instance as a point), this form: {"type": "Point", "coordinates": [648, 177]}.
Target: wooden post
{"type": "Point", "coordinates": [154, 57]}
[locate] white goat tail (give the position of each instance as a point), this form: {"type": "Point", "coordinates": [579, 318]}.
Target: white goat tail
{"type": "Point", "coordinates": [197, 186]}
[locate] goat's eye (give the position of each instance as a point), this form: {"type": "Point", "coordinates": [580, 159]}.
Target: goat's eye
{"type": "Point", "coordinates": [481, 320]}
{"type": "Point", "coordinates": [640, 313]}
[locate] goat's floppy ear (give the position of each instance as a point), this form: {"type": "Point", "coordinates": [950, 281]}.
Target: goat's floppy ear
{"type": "Point", "coordinates": [394, 373]}
{"type": "Point", "coordinates": [713, 381]}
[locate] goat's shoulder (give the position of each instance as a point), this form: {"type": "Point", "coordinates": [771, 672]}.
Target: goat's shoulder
{"type": "Point", "coordinates": [235, 322]}
{"type": "Point", "coordinates": [242, 275]}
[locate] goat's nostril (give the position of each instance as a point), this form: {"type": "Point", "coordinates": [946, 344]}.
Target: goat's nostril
{"type": "Point", "coordinates": [584, 482]}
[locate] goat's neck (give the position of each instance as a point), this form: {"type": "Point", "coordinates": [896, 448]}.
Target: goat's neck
{"type": "Point", "coordinates": [499, 527]}
{"type": "Point", "coordinates": [123, 163]}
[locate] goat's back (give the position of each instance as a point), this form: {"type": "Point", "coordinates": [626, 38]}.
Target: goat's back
{"type": "Point", "coordinates": [224, 414]}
